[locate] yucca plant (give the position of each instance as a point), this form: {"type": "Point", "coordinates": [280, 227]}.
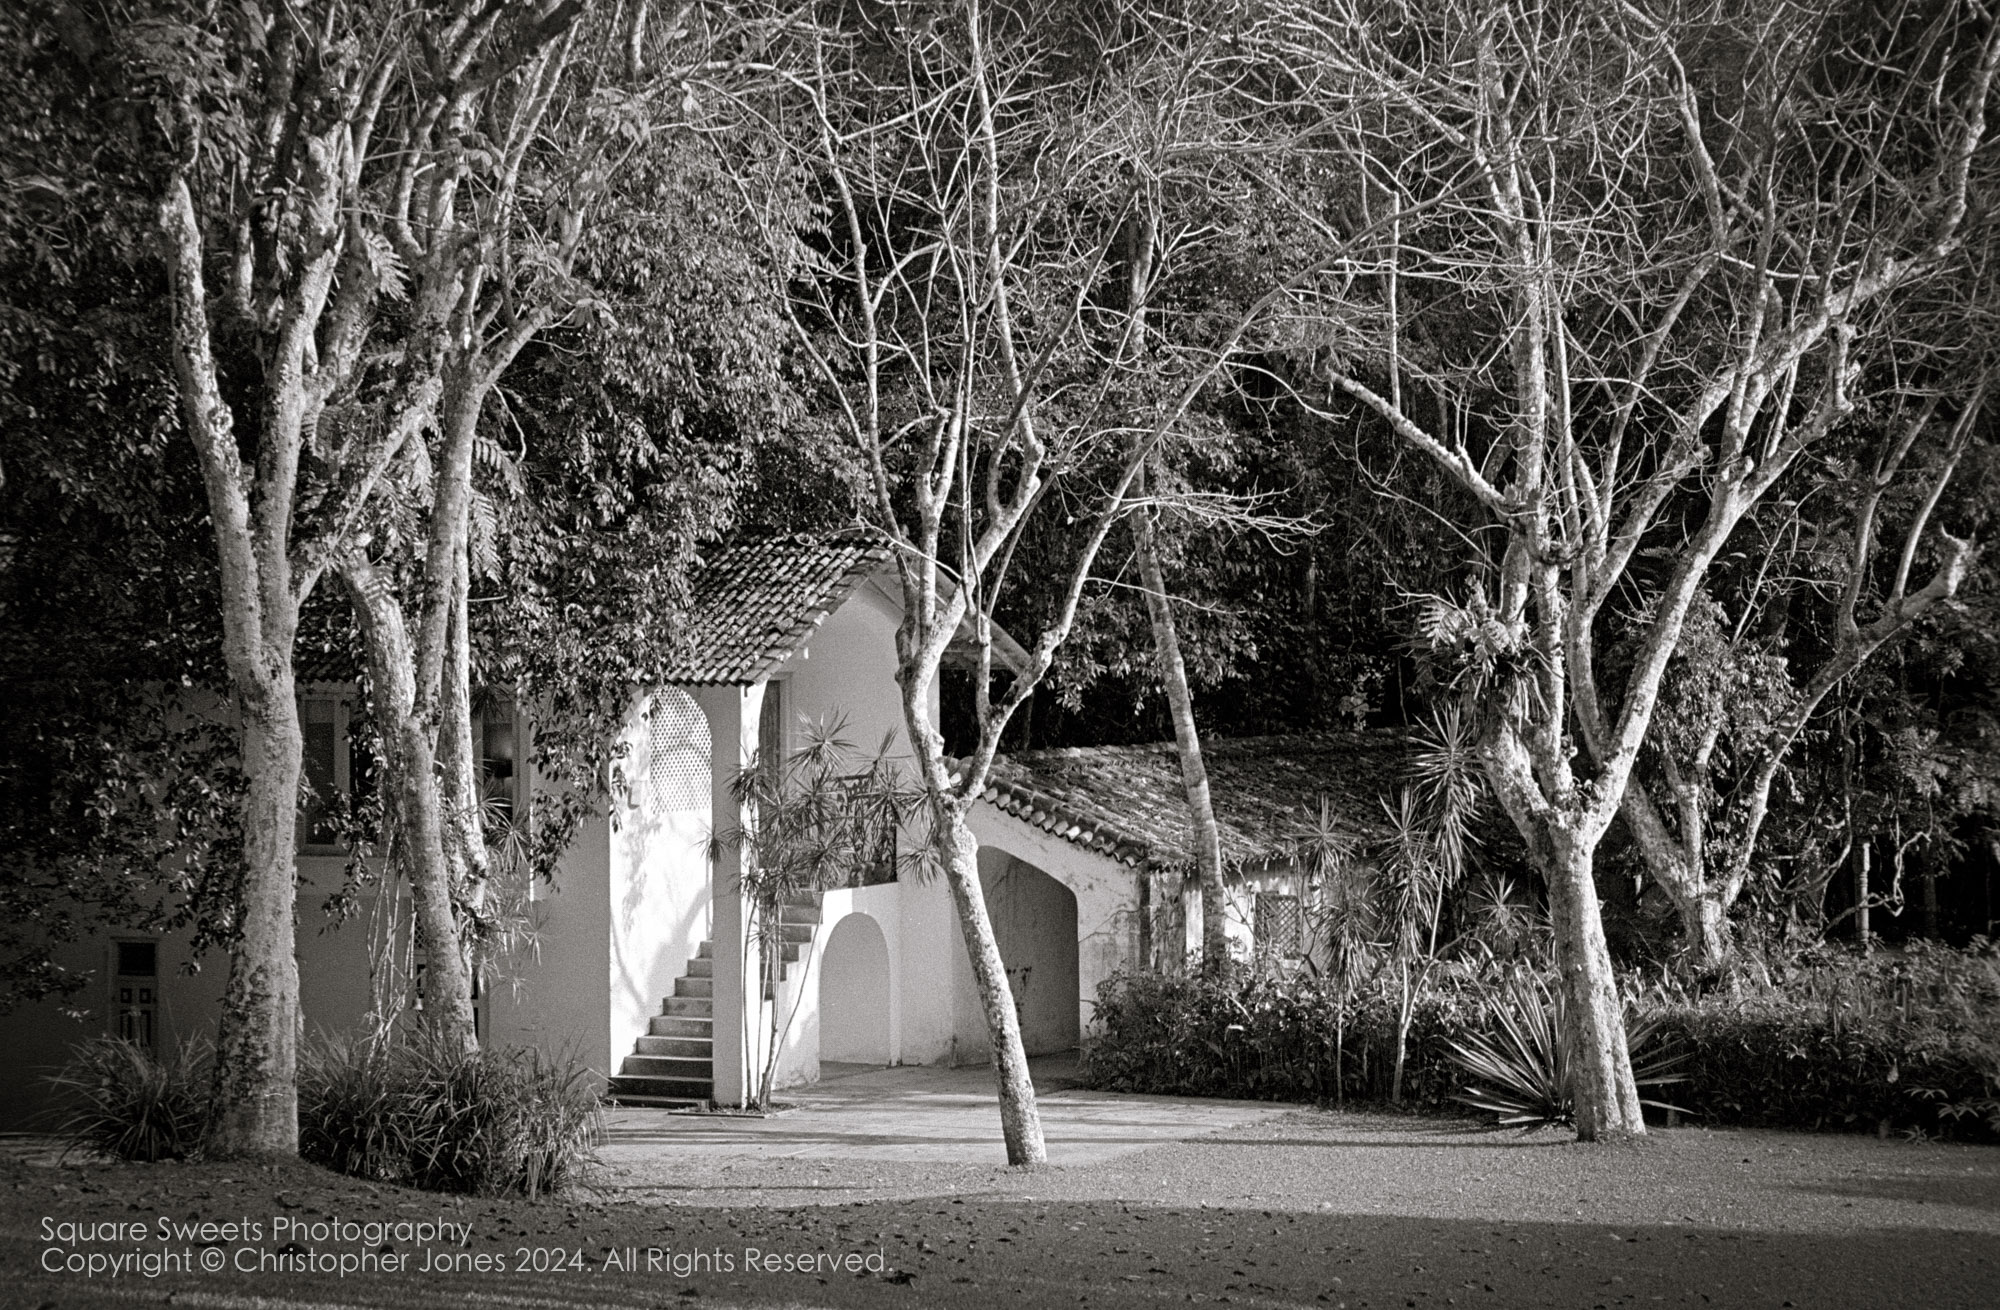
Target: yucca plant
{"type": "Point", "coordinates": [1521, 1069]}
{"type": "Point", "coordinates": [127, 1102]}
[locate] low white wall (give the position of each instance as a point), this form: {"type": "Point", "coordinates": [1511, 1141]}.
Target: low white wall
{"type": "Point", "coordinates": [804, 995]}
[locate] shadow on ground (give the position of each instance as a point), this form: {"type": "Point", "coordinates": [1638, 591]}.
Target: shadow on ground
{"type": "Point", "coordinates": [1013, 1252]}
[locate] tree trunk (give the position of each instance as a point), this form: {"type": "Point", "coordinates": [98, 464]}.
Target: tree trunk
{"type": "Point", "coordinates": [1402, 1037]}
{"type": "Point", "coordinates": [1602, 1088]}
{"type": "Point", "coordinates": [1562, 846]}
{"type": "Point", "coordinates": [1701, 902]}
{"type": "Point", "coordinates": [459, 751]}
{"type": "Point", "coordinates": [1194, 775]}
{"type": "Point", "coordinates": [1862, 852]}
{"type": "Point", "coordinates": [1020, 1120]}
{"type": "Point", "coordinates": [256, 1066]}
{"type": "Point", "coordinates": [416, 803]}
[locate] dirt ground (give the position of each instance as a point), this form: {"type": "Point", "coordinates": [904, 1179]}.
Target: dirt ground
{"type": "Point", "coordinates": [1309, 1208]}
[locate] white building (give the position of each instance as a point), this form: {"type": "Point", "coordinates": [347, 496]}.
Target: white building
{"type": "Point", "coordinates": [641, 966]}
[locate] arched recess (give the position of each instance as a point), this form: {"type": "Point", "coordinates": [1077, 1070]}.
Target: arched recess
{"type": "Point", "coordinates": [854, 993]}
{"type": "Point", "coordinates": [1034, 924]}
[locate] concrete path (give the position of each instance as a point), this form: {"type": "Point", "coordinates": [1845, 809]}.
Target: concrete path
{"type": "Point", "coordinates": [921, 1114]}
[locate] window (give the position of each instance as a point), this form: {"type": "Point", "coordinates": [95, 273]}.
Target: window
{"type": "Point", "coordinates": [338, 777]}
{"type": "Point", "coordinates": [323, 721]}
{"type": "Point", "coordinates": [136, 990]}
{"type": "Point", "coordinates": [771, 734]}
{"type": "Point", "coordinates": [499, 767]}
{"type": "Point", "coordinates": [1280, 928]}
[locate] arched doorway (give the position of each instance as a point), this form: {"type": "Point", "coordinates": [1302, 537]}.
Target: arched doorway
{"type": "Point", "coordinates": [1034, 924]}
{"type": "Point", "coordinates": [854, 993]}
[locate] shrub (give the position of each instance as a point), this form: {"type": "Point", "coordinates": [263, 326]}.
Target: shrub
{"type": "Point", "coordinates": [1273, 1037]}
{"type": "Point", "coordinates": [1906, 1040]}
{"type": "Point", "coordinates": [126, 1102]}
{"type": "Point", "coordinates": [495, 1122]}
{"type": "Point", "coordinates": [1900, 1040]}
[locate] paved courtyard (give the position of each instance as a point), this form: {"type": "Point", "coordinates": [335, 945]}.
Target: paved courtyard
{"type": "Point", "coordinates": [888, 1188]}
{"type": "Point", "coordinates": [919, 1114]}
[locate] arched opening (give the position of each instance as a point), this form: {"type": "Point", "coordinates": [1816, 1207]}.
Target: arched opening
{"type": "Point", "coordinates": [854, 993]}
{"type": "Point", "coordinates": [1034, 924]}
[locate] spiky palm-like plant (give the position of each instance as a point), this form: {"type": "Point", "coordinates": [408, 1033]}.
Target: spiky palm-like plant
{"type": "Point", "coordinates": [1521, 1070]}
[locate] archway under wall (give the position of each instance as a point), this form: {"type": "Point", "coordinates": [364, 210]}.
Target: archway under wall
{"type": "Point", "coordinates": [1034, 924]}
{"type": "Point", "coordinates": [854, 993]}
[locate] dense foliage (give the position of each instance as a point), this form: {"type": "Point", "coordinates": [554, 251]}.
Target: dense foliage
{"type": "Point", "coordinates": [515, 1121]}
{"type": "Point", "coordinates": [125, 1102]}
{"type": "Point", "coordinates": [117, 786]}
{"type": "Point", "coordinates": [1905, 1043]}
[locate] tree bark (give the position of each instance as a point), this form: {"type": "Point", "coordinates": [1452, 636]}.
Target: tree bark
{"type": "Point", "coordinates": [1602, 1088]}
{"type": "Point", "coordinates": [416, 802]}
{"type": "Point", "coordinates": [1562, 844]}
{"type": "Point", "coordinates": [1020, 1119]}
{"type": "Point", "coordinates": [256, 1066]}
{"type": "Point", "coordinates": [1701, 902]}
{"type": "Point", "coordinates": [1194, 775]}
{"type": "Point", "coordinates": [459, 750]}
{"type": "Point", "coordinates": [1862, 891]}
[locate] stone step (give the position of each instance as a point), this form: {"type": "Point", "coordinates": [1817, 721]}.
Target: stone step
{"type": "Point", "coordinates": [795, 932]}
{"type": "Point", "coordinates": [666, 1066]}
{"type": "Point", "coordinates": [696, 1089]}
{"type": "Point", "coordinates": [688, 1048]}
{"type": "Point", "coordinates": [676, 1025]}
{"type": "Point", "coordinates": [701, 967]}
{"type": "Point", "coordinates": [690, 1006]}
{"type": "Point", "coordinates": [704, 951]}
{"type": "Point", "coordinates": [702, 987]}
{"type": "Point", "coordinates": [641, 1101]}
{"type": "Point", "coordinates": [799, 914]}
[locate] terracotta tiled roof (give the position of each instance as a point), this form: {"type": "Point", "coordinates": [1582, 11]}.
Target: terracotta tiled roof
{"type": "Point", "coordinates": [1127, 801]}
{"type": "Point", "coordinates": [756, 602]}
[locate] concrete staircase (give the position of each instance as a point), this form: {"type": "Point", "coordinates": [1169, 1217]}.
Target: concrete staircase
{"type": "Point", "coordinates": [798, 920]}
{"type": "Point", "coordinates": [673, 1065]}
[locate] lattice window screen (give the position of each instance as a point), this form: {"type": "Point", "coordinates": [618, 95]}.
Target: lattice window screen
{"type": "Point", "coordinates": [1280, 927]}
{"type": "Point", "coordinates": [677, 755]}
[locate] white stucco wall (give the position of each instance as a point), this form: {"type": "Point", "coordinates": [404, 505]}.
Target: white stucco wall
{"type": "Point", "coordinates": [935, 976]}
{"type": "Point", "coordinates": [555, 995]}
{"type": "Point", "coordinates": [803, 995]}
{"type": "Point", "coordinates": [848, 667]}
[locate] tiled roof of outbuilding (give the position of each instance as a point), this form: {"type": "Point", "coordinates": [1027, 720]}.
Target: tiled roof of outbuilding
{"type": "Point", "coordinates": [1127, 801]}
{"type": "Point", "coordinates": [757, 601]}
